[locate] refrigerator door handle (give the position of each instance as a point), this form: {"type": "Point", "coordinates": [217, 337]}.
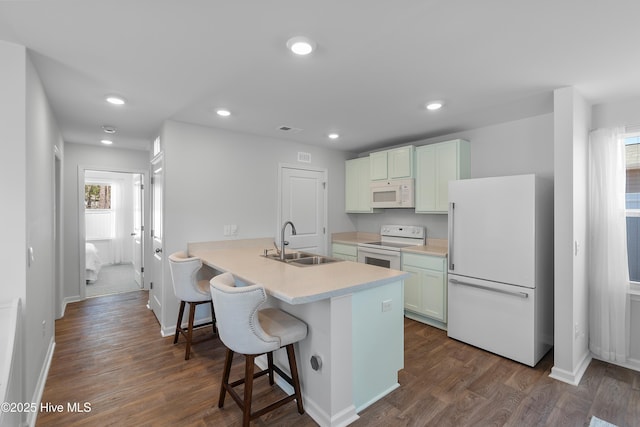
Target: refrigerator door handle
{"type": "Point", "coordinates": [452, 206]}
{"type": "Point", "coordinates": [486, 288]}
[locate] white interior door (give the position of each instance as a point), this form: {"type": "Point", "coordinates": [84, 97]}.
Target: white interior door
{"type": "Point", "coordinates": [157, 184]}
{"type": "Point", "coordinates": [137, 233]}
{"type": "Point", "coordinates": [303, 202]}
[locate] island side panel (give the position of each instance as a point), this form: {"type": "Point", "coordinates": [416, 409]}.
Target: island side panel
{"type": "Point", "coordinates": [378, 342]}
{"type": "Point", "coordinates": [327, 392]}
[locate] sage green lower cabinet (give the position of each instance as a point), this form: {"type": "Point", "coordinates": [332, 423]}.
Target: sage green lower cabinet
{"type": "Point", "coordinates": [425, 291]}
{"type": "Point", "coordinates": [344, 251]}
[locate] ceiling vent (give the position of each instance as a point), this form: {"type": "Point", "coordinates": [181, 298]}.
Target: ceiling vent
{"type": "Point", "coordinates": [289, 129]}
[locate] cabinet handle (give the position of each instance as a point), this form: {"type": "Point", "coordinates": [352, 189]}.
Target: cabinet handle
{"type": "Point", "coordinates": [487, 288]}
{"type": "Point", "coordinates": [452, 206]}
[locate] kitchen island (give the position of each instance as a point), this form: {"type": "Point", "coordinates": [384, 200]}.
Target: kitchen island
{"type": "Point", "coordinates": [355, 317]}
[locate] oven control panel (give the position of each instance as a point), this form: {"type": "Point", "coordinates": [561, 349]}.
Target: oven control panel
{"type": "Point", "coordinates": [412, 231]}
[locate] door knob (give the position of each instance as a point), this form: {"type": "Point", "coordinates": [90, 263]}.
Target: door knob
{"type": "Point", "coordinates": [159, 250]}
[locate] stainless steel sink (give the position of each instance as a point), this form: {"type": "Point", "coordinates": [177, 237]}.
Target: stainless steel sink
{"type": "Point", "coordinates": [302, 259]}
{"type": "Point", "coordinates": [289, 256]}
{"type": "Point", "coordinates": [313, 260]}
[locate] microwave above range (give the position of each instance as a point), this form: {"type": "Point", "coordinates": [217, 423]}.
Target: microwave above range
{"type": "Point", "coordinates": [395, 193]}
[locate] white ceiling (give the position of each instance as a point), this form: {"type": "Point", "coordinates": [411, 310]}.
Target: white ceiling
{"type": "Point", "coordinates": [377, 63]}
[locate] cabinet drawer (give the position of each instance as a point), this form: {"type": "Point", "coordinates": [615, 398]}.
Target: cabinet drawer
{"type": "Point", "coordinates": [424, 261]}
{"type": "Point", "coordinates": [340, 248]}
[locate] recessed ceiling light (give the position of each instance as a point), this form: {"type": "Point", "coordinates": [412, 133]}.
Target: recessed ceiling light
{"type": "Point", "coordinates": [301, 45]}
{"type": "Point", "coordinates": [109, 129]}
{"type": "Point", "coordinates": [434, 105]}
{"type": "Point", "coordinates": [106, 141]}
{"type": "Point", "coordinates": [223, 112]}
{"type": "Point", "coordinates": [115, 100]}
{"type": "Point", "coordinates": [333, 136]}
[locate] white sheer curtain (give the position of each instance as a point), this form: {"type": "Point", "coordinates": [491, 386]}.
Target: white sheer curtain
{"type": "Point", "coordinates": [608, 264]}
{"type": "Point", "coordinates": [117, 207]}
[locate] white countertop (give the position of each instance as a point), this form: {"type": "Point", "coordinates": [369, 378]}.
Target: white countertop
{"type": "Point", "coordinates": [289, 283]}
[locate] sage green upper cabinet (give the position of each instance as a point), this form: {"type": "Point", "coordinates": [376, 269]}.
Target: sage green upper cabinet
{"type": "Point", "coordinates": [436, 165]}
{"type": "Point", "coordinates": [378, 165]}
{"type": "Point", "coordinates": [357, 192]}
{"type": "Point", "coordinates": [396, 163]}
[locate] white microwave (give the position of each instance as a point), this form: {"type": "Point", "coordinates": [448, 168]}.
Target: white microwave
{"type": "Point", "coordinates": [395, 193]}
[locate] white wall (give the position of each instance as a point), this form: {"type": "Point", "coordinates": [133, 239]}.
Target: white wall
{"type": "Point", "coordinates": [29, 135]}
{"type": "Point", "coordinates": [511, 148]}
{"type": "Point", "coordinates": [572, 123]}
{"type": "Point", "coordinates": [215, 177]}
{"type": "Point", "coordinates": [619, 113]}
{"type": "Point", "coordinates": [13, 165]}
{"type": "Point", "coordinates": [96, 158]}
{"type": "Point", "coordinates": [42, 136]}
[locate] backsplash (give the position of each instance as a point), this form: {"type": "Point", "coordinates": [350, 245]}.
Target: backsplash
{"type": "Point", "coordinates": [436, 225]}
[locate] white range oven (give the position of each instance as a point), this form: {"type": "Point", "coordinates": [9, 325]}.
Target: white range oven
{"type": "Point", "coordinates": [386, 251]}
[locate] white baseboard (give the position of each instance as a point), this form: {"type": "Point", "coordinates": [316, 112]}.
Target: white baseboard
{"type": "Point", "coordinates": [69, 300]}
{"type": "Point", "coordinates": [574, 377]}
{"type": "Point", "coordinates": [170, 331]}
{"type": "Point", "coordinates": [378, 397]}
{"type": "Point", "coordinates": [42, 380]}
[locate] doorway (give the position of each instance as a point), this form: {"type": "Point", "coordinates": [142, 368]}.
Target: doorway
{"type": "Point", "coordinates": [112, 225]}
{"type": "Point", "coordinates": [303, 201]}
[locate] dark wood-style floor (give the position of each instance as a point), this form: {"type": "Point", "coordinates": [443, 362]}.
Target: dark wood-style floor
{"type": "Point", "coordinates": [109, 354]}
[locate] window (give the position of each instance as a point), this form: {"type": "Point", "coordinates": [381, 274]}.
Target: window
{"type": "Point", "coordinates": [632, 153]}
{"type": "Point", "coordinates": [99, 213]}
{"type": "Point", "coordinates": [97, 196]}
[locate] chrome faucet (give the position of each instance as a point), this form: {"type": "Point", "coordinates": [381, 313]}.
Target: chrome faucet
{"type": "Point", "coordinates": [283, 243]}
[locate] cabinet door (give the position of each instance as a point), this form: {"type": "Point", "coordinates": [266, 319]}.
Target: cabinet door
{"type": "Point", "coordinates": [412, 289]}
{"type": "Point", "coordinates": [344, 251]}
{"type": "Point", "coordinates": [378, 165]}
{"type": "Point", "coordinates": [425, 178]}
{"type": "Point", "coordinates": [345, 257]}
{"type": "Point", "coordinates": [400, 162]}
{"type": "Point", "coordinates": [351, 189]}
{"type": "Point", "coordinates": [437, 165]}
{"type": "Point", "coordinates": [357, 185]}
{"type": "Point", "coordinates": [433, 295]}
{"type": "Point", "coordinates": [447, 156]}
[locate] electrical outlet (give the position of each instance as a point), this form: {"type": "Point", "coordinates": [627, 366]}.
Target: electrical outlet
{"type": "Point", "coordinates": [386, 305]}
{"type": "Point", "coordinates": [231, 230]}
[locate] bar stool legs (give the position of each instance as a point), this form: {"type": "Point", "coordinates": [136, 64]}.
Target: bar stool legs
{"type": "Point", "coordinates": [188, 333]}
{"type": "Point", "coordinates": [249, 375]}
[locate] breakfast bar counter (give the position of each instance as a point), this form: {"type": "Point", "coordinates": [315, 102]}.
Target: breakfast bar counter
{"type": "Point", "coordinates": [290, 283]}
{"type": "Point", "coordinates": [354, 313]}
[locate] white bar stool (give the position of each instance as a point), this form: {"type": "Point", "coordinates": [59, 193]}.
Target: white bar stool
{"type": "Point", "coordinates": [190, 291]}
{"type": "Point", "coordinates": [245, 329]}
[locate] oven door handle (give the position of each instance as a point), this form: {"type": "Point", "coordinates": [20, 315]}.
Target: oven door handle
{"type": "Point", "coordinates": [368, 250]}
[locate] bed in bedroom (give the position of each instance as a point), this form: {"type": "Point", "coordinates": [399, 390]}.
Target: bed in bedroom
{"type": "Point", "coordinates": [92, 263]}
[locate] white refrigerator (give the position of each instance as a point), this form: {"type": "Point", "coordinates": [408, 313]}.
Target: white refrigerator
{"type": "Point", "coordinates": [500, 281]}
